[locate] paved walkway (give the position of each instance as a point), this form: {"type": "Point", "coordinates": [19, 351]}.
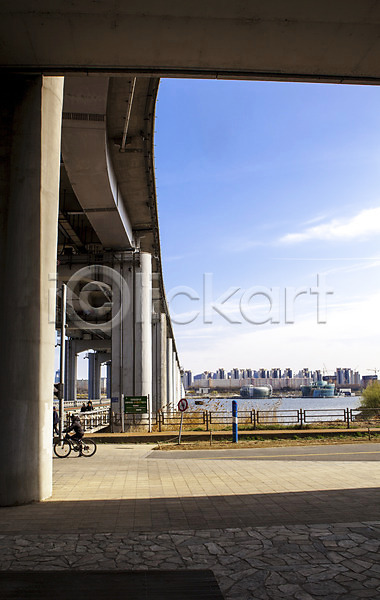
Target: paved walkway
{"type": "Point", "coordinates": [268, 529]}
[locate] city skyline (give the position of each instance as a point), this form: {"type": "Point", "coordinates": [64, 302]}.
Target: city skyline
{"type": "Point", "coordinates": [282, 369]}
{"type": "Point", "coordinates": [343, 378]}
{"type": "Point", "coordinates": [278, 372]}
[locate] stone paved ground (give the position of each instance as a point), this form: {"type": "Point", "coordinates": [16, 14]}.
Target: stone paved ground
{"type": "Point", "coordinates": [295, 561]}
{"type": "Point", "coordinates": [124, 510]}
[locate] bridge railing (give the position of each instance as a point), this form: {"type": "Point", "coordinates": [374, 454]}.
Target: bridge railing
{"type": "Point", "coordinates": [91, 420]}
{"type": "Point", "coordinates": [78, 403]}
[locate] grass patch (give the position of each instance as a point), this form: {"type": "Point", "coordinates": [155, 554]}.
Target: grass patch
{"type": "Point", "coordinates": [258, 441]}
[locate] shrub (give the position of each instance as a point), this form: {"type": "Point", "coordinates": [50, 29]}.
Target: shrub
{"type": "Point", "coordinates": [371, 399]}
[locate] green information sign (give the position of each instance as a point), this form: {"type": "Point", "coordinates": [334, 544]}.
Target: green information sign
{"type": "Point", "coordinates": [136, 404]}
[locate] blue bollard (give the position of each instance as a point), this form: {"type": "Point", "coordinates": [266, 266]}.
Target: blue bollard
{"type": "Point", "coordinates": [234, 422]}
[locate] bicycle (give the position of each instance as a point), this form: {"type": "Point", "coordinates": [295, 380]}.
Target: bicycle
{"type": "Point", "coordinates": [63, 448]}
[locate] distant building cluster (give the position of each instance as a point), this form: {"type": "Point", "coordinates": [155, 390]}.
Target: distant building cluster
{"type": "Point", "coordinates": [276, 377]}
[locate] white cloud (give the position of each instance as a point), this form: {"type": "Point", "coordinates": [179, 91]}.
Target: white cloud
{"type": "Point", "coordinates": [363, 225]}
{"type": "Point", "coordinates": [177, 257]}
{"type": "Point", "coordinates": [362, 266]}
{"type": "Point", "coordinates": [317, 219]}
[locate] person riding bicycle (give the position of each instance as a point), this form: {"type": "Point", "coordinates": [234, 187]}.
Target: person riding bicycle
{"type": "Point", "coordinates": [77, 427]}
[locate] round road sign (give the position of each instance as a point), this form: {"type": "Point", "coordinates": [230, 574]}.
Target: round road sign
{"type": "Point", "coordinates": [183, 404]}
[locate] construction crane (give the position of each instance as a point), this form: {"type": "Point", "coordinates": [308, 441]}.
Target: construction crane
{"type": "Point", "coordinates": [376, 371]}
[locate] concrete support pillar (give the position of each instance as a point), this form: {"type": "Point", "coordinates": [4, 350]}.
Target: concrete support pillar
{"type": "Point", "coordinates": [71, 371]}
{"type": "Point", "coordinates": [30, 124]}
{"type": "Point", "coordinates": [97, 376]}
{"type": "Point", "coordinates": [91, 376]}
{"type": "Point", "coordinates": [175, 400]}
{"type": "Point", "coordinates": [170, 388]}
{"type": "Point", "coordinates": [123, 332]}
{"type": "Point", "coordinates": [143, 349]}
{"type": "Point", "coordinates": [177, 387]}
{"type": "Point", "coordinates": [109, 381]}
{"type": "Point", "coordinates": [178, 382]}
{"type": "Point", "coordinates": [156, 372]}
{"type": "Point", "coordinates": [163, 361]}
{"type": "Point", "coordinates": [94, 367]}
{"type": "Point", "coordinates": [132, 329]}
{"type": "Point", "coordinates": [159, 362]}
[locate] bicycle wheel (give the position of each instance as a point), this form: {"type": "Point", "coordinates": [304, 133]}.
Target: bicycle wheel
{"type": "Point", "coordinates": [62, 449]}
{"type": "Point", "coordinates": [88, 447]}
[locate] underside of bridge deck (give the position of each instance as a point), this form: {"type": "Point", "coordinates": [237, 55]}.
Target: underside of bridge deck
{"type": "Point", "coordinates": [291, 39]}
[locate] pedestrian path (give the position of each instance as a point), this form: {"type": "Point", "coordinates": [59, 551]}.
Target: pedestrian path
{"type": "Point", "coordinates": [268, 529]}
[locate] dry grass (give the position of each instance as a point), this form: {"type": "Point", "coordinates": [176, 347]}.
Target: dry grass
{"type": "Point", "coordinates": [228, 445]}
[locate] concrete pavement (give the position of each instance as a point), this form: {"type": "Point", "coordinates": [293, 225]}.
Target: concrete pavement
{"type": "Point", "coordinates": [268, 529]}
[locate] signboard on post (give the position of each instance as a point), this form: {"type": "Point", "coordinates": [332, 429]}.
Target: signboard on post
{"type": "Point", "coordinates": [136, 404]}
{"type": "Point", "coordinates": [182, 406]}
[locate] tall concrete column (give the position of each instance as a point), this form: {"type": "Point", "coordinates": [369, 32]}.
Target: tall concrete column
{"type": "Point", "coordinates": [97, 375]}
{"type": "Point", "coordinates": [108, 380]}
{"type": "Point", "coordinates": [175, 384]}
{"type": "Point", "coordinates": [174, 366]}
{"type": "Point", "coordinates": [163, 361]}
{"type": "Point", "coordinates": [156, 373]}
{"type": "Point", "coordinates": [170, 389]}
{"type": "Point", "coordinates": [159, 361]}
{"type": "Point", "coordinates": [93, 376]}
{"type": "Point", "coordinates": [71, 371]}
{"type": "Point", "coordinates": [123, 331]}
{"type": "Point", "coordinates": [132, 328]}
{"type": "Point", "coordinates": [177, 387]}
{"type": "Point", "coordinates": [143, 347]}
{"type": "Point", "coordinates": [30, 123]}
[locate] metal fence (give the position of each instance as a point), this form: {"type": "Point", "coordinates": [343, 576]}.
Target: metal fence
{"type": "Point", "coordinates": [254, 419]}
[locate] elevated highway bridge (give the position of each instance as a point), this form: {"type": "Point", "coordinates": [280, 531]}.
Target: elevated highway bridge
{"type": "Point", "coordinates": [79, 83]}
{"type": "Point", "coordinates": [108, 218]}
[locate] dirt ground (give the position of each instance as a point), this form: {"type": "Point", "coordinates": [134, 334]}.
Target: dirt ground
{"type": "Point", "coordinates": [228, 445]}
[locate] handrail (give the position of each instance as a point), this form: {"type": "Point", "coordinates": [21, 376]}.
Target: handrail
{"type": "Point", "coordinates": [92, 421]}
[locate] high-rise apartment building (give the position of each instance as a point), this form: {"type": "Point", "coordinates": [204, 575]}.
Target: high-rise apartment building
{"type": "Point", "coordinates": [187, 379]}
{"type": "Point", "coordinates": [276, 373]}
{"type": "Point", "coordinates": [343, 376]}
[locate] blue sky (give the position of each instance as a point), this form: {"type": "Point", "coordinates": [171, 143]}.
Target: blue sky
{"type": "Point", "coordinates": [269, 184]}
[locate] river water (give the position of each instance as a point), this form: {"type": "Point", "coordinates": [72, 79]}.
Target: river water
{"type": "Point", "coordinates": [331, 408]}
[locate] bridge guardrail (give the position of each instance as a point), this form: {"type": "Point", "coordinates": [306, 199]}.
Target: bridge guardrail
{"type": "Point", "coordinates": [91, 420]}
{"type": "Point", "coordinates": [78, 403]}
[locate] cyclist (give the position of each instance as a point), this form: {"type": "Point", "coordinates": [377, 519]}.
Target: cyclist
{"type": "Point", "coordinates": [77, 427]}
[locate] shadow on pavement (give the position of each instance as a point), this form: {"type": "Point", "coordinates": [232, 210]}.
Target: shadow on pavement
{"type": "Point", "coordinates": [200, 512]}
